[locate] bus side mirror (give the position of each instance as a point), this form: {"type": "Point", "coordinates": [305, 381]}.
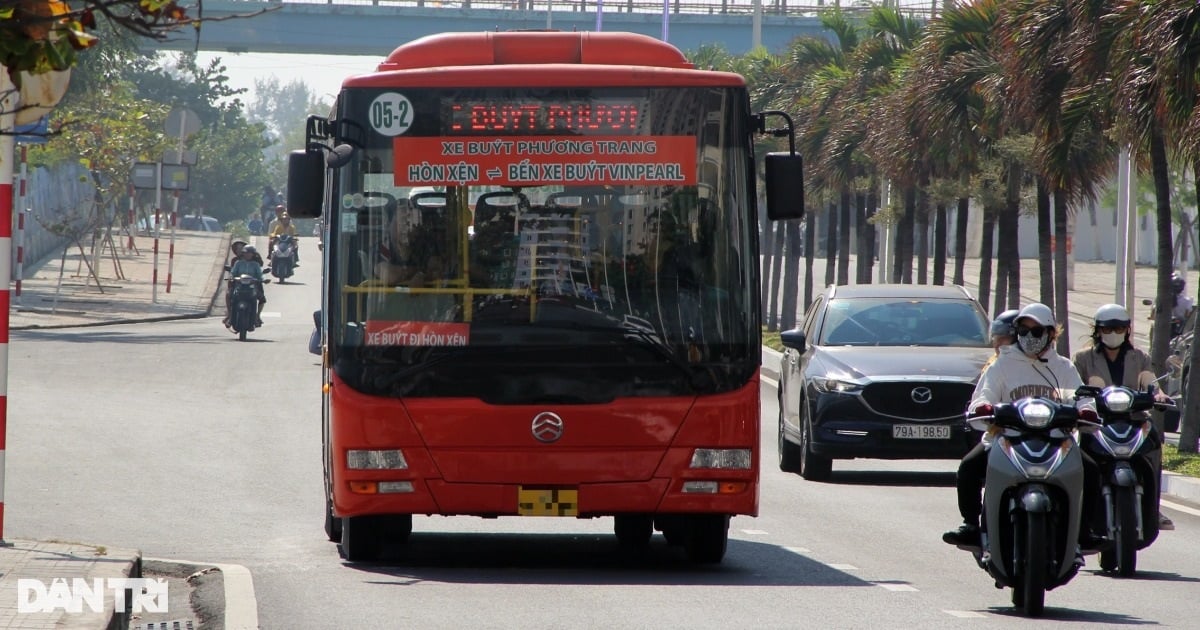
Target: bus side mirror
{"type": "Point", "coordinates": [785, 186]}
{"type": "Point", "coordinates": [306, 184]}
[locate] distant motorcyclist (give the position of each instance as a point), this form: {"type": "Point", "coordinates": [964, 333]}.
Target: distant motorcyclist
{"type": "Point", "coordinates": [1029, 368]}
{"type": "Point", "coordinates": [1113, 359]}
{"type": "Point", "coordinates": [235, 254]}
{"type": "Point", "coordinates": [249, 264]}
{"type": "Point", "coordinates": [285, 226]}
{"type": "Point", "coordinates": [1181, 303]}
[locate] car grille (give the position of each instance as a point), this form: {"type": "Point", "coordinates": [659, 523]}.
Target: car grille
{"type": "Point", "coordinates": [899, 400]}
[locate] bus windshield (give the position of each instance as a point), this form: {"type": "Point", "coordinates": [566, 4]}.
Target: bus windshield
{"type": "Point", "coordinates": [533, 245]}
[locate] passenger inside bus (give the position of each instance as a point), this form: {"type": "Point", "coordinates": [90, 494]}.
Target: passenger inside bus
{"type": "Point", "coordinates": [410, 252]}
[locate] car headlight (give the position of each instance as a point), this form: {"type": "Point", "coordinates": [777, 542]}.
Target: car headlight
{"type": "Point", "coordinates": [1118, 401]}
{"type": "Point", "coordinates": [1036, 415]}
{"type": "Point", "coordinates": [827, 385]}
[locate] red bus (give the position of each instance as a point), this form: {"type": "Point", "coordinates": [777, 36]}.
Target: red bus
{"type": "Point", "coordinates": [541, 287]}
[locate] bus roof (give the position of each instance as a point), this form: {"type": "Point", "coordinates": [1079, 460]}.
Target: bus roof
{"type": "Point", "coordinates": [539, 59]}
{"type": "Point", "coordinates": [534, 47]}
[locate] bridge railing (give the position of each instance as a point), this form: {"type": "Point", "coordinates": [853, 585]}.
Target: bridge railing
{"type": "Point", "coordinates": [795, 8]}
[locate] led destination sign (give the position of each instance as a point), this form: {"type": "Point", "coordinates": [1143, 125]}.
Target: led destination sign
{"type": "Point", "coordinates": [579, 117]}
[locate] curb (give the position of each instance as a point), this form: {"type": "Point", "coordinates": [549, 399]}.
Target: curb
{"type": "Point", "coordinates": [116, 565]}
{"type": "Point", "coordinates": [241, 605]}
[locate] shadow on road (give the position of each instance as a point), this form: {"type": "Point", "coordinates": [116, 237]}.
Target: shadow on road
{"type": "Point", "coordinates": [590, 559]}
{"type": "Point", "coordinates": [892, 478]}
{"type": "Point", "coordinates": [1087, 617]}
{"type": "Point", "coordinates": [1149, 576]}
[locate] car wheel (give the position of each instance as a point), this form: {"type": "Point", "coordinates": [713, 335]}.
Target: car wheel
{"type": "Point", "coordinates": [813, 467]}
{"type": "Point", "coordinates": [789, 453]}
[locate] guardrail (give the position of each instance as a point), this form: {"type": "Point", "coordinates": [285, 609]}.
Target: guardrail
{"type": "Point", "coordinates": [806, 8]}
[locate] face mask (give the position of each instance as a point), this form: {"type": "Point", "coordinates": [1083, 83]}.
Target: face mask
{"type": "Point", "coordinates": [1112, 340]}
{"type": "Point", "coordinates": [1031, 345]}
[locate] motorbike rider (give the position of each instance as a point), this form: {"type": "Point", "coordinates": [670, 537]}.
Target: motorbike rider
{"type": "Point", "coordinates": [1113, 359]}
{"type": "Point", "coordinates": [1182, 304]}
{"type": "Point", "coordinates": [235, 254]}
{"type": "Point", "coordinates": [1030, 367]}
{"type": "Point", "coordinates": [284, 226]}
{"type": "Point", "coordinates": [249, 264]}
{"type": "Point", "coordinates": [1003, 331]}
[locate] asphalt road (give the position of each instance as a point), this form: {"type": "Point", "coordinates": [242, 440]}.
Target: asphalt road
{"type": "Point", "coordinates": [176, 439]}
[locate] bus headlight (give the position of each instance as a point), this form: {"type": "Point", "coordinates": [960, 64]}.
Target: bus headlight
{"type": "Point", "coordinates": [721, 458]}
{"type": "Point", "coordinates": [376, 460]}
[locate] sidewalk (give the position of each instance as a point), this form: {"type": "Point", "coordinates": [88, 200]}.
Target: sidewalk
{"type": "Point", "coordinates": [126, 296]}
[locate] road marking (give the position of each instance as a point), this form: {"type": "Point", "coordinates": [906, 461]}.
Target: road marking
{"type": "Point", "coordinates": [769, 381]}
{"type": "Point", "coordinates": [755, 532]}
{"type": "Point", "coordinates": [798, 550]}
{"type": "Point", "coordinates": [1182, 508]}
{"type": "Point", "coordinates": [964, 614]}
{"type": "Point", "coordinates": [897, 588]}
{"type": "Point", "coordinates": [272, 314]}
{"type": "Point", "coordinates": [241, 606]}
{"type": "Point", "coordinates": [843, 567]}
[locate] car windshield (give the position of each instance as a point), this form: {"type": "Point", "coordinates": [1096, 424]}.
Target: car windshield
{"type": "Point", "coordinates": [903, 322]}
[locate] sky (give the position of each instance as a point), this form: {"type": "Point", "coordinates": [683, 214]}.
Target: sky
{"type": "Point", "coordinates": [322, 73]}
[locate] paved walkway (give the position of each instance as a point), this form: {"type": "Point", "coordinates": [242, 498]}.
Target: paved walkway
{"type": "Point", "coordinates": [54, 295]}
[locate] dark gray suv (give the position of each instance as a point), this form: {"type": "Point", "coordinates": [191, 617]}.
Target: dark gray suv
{"type": "Point", "coordinates": [880, 371]}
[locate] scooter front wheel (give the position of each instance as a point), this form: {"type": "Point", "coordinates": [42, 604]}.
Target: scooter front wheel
{"type": "Point", "coordinates": [1127, 534]}
{"type": "Point", "coordinates": [1033, 578]}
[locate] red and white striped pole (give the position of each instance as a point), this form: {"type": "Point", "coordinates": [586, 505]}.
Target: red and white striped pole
{"type": "Point", "coordinates": [132, 217]}
{"type": "Point", "coordinates": [171, 247]}
{"type": "Point", "coordinates": [157, 232]}
{"type": "Point", "coordinates": [21, 210]}
{"type": "Point", "coordinates": [8, 122]}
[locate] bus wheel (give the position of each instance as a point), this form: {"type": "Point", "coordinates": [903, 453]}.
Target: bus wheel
{"type": "Point", "coordinates": [633, 530]}
{"type": "Point", "coordinates": [361, 540]}
{"type": "Point", "coordinates": [333, 526]}
{"type": "Point", "coordinates": [396, 527]}
{"type": "Point", "coordinates": [706, 538]}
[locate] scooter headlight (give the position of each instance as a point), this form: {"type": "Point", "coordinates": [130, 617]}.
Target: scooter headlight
{"type": "Point", "coordinates": [1118, 401]}
{"type": "Point", "coordinates": [1037, 415]}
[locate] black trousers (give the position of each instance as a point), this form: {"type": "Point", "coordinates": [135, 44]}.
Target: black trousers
{"type": "Point", "coordinates": [973, 469]}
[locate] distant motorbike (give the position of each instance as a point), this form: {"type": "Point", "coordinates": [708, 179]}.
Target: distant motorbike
{"type": "Point", "coordinates": [1124, 448]}
{"type": "Point", "coordinates": [243, 305]}
{"type": "Point", "coordinates": [283, 257]}
{"type": "Point", "coordinates": [1032, 500]}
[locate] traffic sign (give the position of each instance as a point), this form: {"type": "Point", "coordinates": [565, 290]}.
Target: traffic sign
{"type": "Point", "coordinates": [182, 123]}
{"type": "Point", "coordinates": [145, 175]}
{"type": "Point", "coordinates": [175, 156]}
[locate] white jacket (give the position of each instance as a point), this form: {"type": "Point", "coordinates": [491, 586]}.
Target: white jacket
{"type": "Point", "coordinates": [1013, 375]}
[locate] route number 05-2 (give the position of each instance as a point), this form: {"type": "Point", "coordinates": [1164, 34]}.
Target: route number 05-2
{"type": "Point", "coordinates": [390, 114]}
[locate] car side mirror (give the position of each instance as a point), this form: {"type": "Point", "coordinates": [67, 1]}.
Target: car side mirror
{"type": "Point", "coordinates": [794, 339]}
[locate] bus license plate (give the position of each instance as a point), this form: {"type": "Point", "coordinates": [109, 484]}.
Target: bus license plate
{"type": "Point", "coordinates": [547, 502]}
{"type": "Point", "coordinates": [920, 432]}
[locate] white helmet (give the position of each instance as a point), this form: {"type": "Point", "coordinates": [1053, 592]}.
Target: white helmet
{"type": "Point", "coordinates": [1039, 313]}
{"type": "Point", "coordinates": [1112, 315]}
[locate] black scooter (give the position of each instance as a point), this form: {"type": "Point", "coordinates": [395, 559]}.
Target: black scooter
{"type": "Point", "coordinates": [243, 304]}
{"type": "Point", "coordinates": [1126, 449]}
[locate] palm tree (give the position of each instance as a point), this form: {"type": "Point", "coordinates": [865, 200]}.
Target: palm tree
{"type": "Point", "coordinates": [1172, 30]}
{"type": "Point", "coordinates": [1067, 102]}
{"type": "Point", "coordinates": [953, 101]}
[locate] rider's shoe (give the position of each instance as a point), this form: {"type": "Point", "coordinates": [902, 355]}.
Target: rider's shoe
{"type": "Point", "coordinates": [967, 534]}
{"type": "Point", "coordinates": [1165, 523]}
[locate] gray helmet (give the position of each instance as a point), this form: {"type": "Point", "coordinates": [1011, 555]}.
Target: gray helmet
{"type": "Point", "coordinates": [249, 249]}
{"type": "Point", "coordinates": [1004, 324]}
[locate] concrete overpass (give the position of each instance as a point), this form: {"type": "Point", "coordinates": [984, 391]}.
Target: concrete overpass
{"type": "Point", "coordinates": [376, 27]}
